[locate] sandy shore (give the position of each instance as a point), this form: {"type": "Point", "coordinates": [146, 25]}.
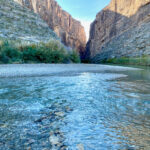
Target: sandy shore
{"type": "Point", "coordinates": [18, 70]}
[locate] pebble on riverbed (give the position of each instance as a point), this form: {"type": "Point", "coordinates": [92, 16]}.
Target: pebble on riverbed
{"type": "Point", "coordinates": [80, 147]}
{"type": "Point", "coordinates": [54, 140]}
{"type": "Point", "coordinates": [52, 120]}
{"type": "Point", "coordinates": [44, 132]}
{"type": "Point", "coordinates": [60, 114]}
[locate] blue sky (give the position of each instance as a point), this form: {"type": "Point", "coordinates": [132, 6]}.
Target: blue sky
{"type": "Point", "coordinates": [83, 10]}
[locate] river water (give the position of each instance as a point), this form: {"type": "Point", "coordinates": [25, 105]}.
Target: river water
{"type": "Point", "coordinates": [74, 107]}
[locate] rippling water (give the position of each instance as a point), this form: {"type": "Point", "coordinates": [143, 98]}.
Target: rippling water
{"type": "Point", "coordinates": [93, 109]}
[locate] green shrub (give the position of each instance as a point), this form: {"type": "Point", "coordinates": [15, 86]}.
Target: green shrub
{"type": "Point", "coordinates": [51, 52]}
{"type": "Point", "coordinates": [9, 53]}
{"type": "Point", "coordinates": [74, 56]}
{"type": "Point", "coordinates": [29, 53]}
{"type": "Point", "coordinates": [143, 60]}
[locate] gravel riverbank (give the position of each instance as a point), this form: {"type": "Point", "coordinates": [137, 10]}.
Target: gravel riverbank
{"type": "Point", "coordinates": [18, 70]}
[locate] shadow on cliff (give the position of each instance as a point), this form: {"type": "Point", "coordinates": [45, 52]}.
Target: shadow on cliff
{"type": "Point", "coordinates": [103, 28]}
{"type": "Point", "coordinates": [109, 24]}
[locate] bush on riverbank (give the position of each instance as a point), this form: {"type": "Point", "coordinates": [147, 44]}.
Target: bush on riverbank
{"type": "Point", "coordinates": [143, 61]}
{"type": "Point", "coordinates": [51, 52]}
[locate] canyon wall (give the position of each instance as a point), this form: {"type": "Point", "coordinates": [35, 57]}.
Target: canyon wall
{"type": "Point", "coordinates": [21, 24]}
{"type": "Point", "coordinates": [120, 29]}
{"type": "Point", "coordinates": [68, 29]}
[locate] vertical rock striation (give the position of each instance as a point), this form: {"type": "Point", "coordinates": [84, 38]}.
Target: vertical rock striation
{"type": "Point", "coordinates": [68, 29]}
{"type": "Point", "coordinates": [119, 30]}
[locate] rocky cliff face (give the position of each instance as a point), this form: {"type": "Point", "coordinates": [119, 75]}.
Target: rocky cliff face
{"type": "Point", "coordinates": [68, 29]}
{"type": "Point", "coordinates": [120, 29]}
{"type": "Point", "coordinates": [18, 23]}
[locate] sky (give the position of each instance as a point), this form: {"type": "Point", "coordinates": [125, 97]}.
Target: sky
{"type": "Point", "coordinates": [83, 10]}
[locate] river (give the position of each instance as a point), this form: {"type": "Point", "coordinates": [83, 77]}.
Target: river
{"type": "Point", "coordinates": [74, 107]}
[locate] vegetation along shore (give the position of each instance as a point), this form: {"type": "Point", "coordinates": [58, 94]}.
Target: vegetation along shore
{"type": "Point", "coordinates": [50, 52]}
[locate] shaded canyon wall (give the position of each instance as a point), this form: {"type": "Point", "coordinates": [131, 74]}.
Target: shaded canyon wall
{"type": "Point", "coordinates": [120, 29]}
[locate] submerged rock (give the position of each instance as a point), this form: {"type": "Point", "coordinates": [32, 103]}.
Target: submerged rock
{"type": "Point", "coordinates": [60, 114]}
{"type": "Point", "coordinates": [80, 147]}
{"type": "Point", "coordinates": [54, 140]}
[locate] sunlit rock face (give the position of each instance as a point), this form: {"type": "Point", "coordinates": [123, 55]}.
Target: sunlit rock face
{"type": "Point", "coordinates": [20, 24]}
{"type": "Point", "coordinates": [120, 29]}
{"type": "Point", "coordinates": [68, 29]}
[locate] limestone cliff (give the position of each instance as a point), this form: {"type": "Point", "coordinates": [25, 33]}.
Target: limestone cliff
{"type": "Point", "coordinates": [18, 23]}
{"type": "Point", "coordinates": [120, 29]}
{"type": "Point", "coordinates": [68, 29]}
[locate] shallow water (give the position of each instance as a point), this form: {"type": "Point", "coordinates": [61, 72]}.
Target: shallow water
{"type": "Point", "coordinates": [72, 107]}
